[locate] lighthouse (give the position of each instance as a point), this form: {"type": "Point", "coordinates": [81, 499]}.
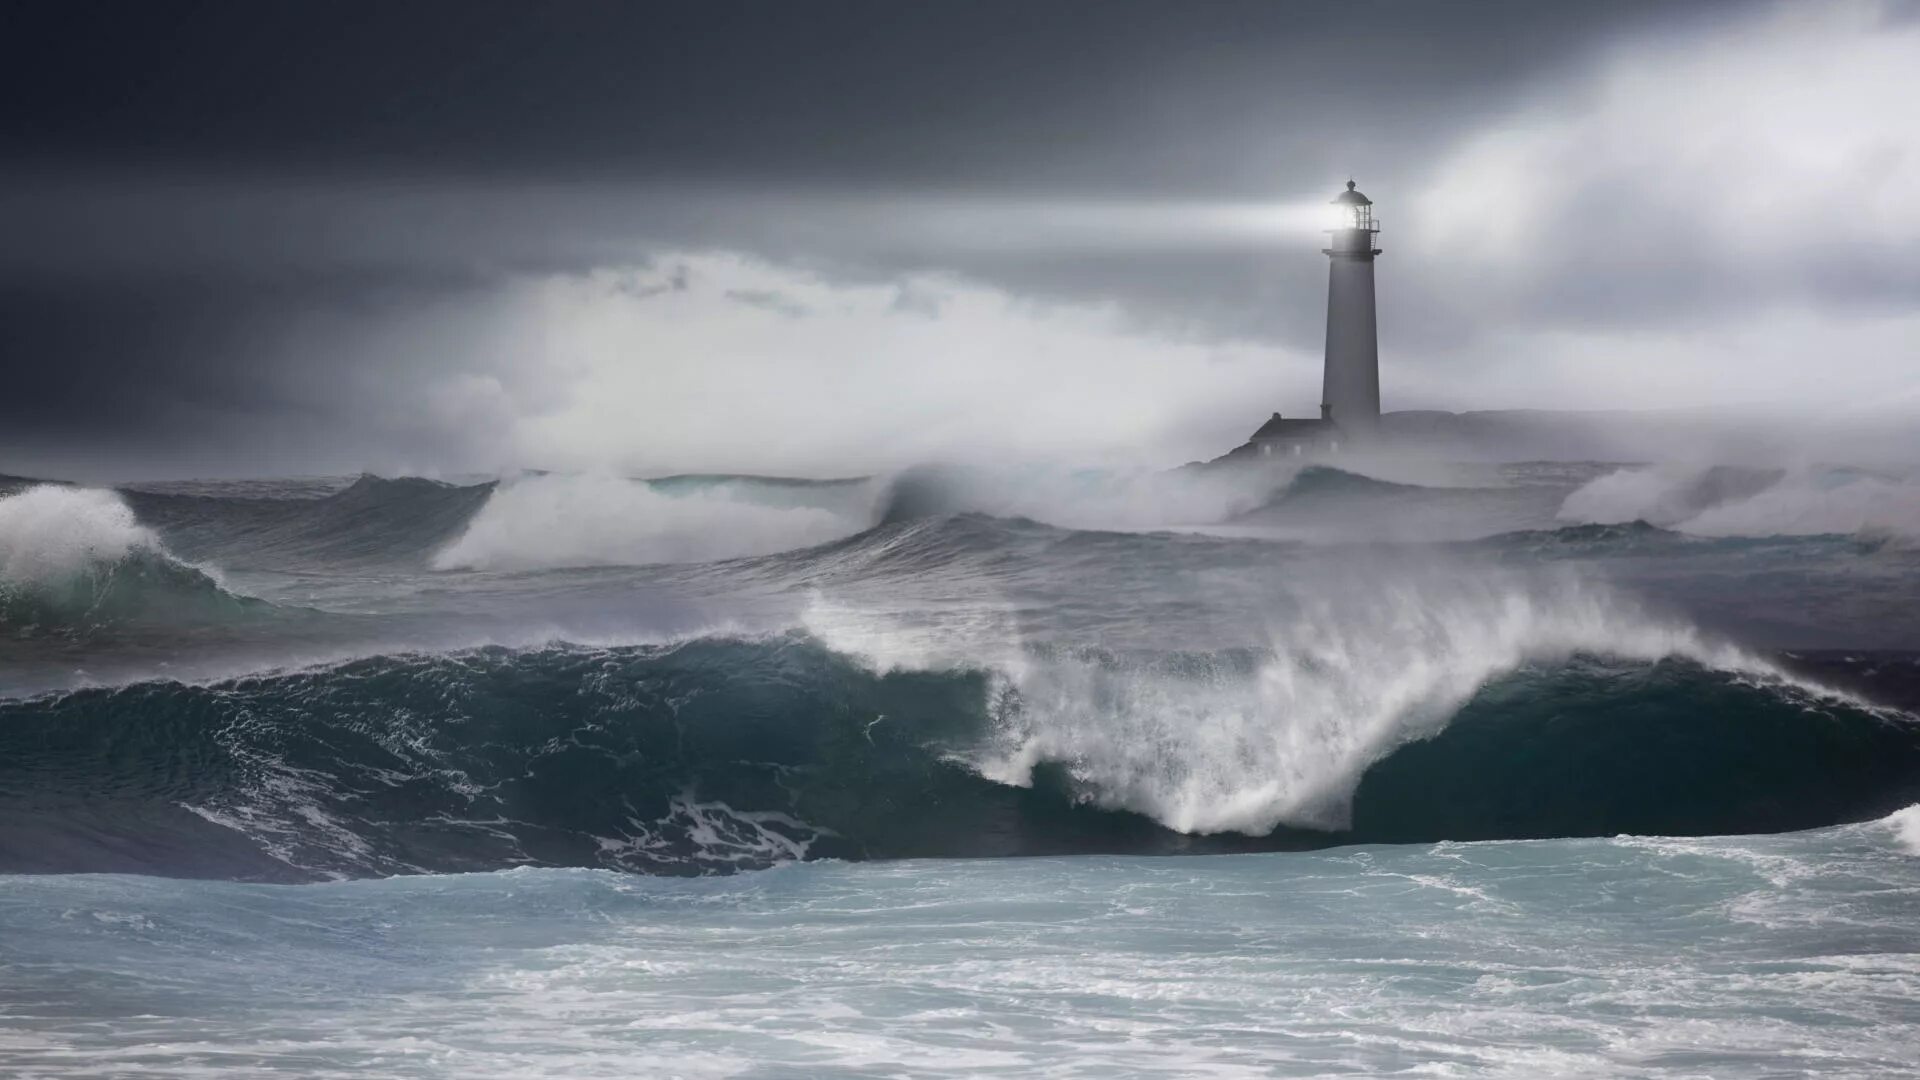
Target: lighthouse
{"type": "Point", "coordinates": [1350, 382]}
{"type": "Point", "coordinates": [1350, 387]}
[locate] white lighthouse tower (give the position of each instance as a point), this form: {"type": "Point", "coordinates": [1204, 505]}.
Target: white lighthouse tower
{"type": "Point", "coordinates": [1350, 392]}
{"type": "Point", "coordinates": [1350, 386]}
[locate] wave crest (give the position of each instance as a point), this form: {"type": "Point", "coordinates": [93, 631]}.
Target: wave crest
{"type": "Point", "coordinates": [723, 754]}
{"type": "Point", "coordinates": [1727, 502]}
{"type": "Point", "coordinates": [553, 521]}
{"type": "Point", "coordinates": [1216, 744]}
{"type": "Point", "coordinates": [49, 533]}
{"type": "Point", "coordinates": [1099, 499]}
{"type": "Point", "coordinates": [373, 521]}
{"type": "Point", "coordinates": [73, 557]}
{"type": "Point", "coordinates": [1905, 824]}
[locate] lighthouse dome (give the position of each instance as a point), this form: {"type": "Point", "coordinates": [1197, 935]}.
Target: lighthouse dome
{"type": "Point", "coordinates": [1351, 197]}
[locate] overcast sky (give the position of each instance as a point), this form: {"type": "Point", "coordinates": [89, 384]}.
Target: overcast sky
{"type": "Point", "coordinates": [817, 238]}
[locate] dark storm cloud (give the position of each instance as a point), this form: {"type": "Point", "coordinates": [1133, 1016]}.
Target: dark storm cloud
{"type": "Point", "coordinates": [1214, 96]}
{"type": "Point", "coordinates": [154, 376]}
{"type": "Point", "coordinates": [198, 193]}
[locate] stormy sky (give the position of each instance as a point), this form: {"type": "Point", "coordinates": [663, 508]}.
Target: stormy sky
{"type": "Point", "coordinates": [818, 238]}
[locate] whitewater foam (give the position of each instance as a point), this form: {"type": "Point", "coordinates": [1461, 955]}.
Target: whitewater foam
{"type": "Point", "coordinates": [1346, 683]}
{"type": "Point", "coordinates": [1218, 743]}
{"type": "Point", "coordinates": [1906, 827]}
{"type": "Point", "coordinates": [1140, 499]}
{"type": "Point", "coordinates": [1662, 495]}
{"type": "Point", "coordinates": [721, 834]}
{"type": "Point", "coordinates": [555, 521]}
{"type": "Point", "coordinates": [1081, 498]}
{"type": "Point", "coordinates": [1820, 504]}
{"type": "Point", "coordinates": [76, 560]}
{"type": "Point", "coordinates": [1337, 963]}
{"type": "Point", "coordinates": [50, 533]}
{"type": "Point", "coordinates": [1729, 502]}
{"type": "Point", "coordinates": [727, 754]}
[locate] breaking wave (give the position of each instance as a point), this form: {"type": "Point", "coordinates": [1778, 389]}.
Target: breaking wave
{"type": "Point", "coordinates": [724, 753]}
{"type": "Point", "coordinates": [1146, 499]}
{"type": "Point", "coordinates": [545, 522]}
{"type": "Point", "coordinates": [1905, 824]}
{"type": "Point", "coordinates": [1079, 498]}
{"type": "Point", "coordinates": [373, 521]}
{"type": "Point", "coordinates": [1725, 501]}
{"type": "Point", "coordinates": [1249, 741]}
{"type": "Point", "coordinates": [73, 558]}
{"type": "Point", "coordinates": [924, 686]}
{"type": "Point", "coordinates": [1626, 536]}
{"type": "Point", "coordinates": [1317, 481]}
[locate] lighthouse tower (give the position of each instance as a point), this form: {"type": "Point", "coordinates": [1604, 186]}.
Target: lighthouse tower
{"type": "Point", "coordinates": [1350, 394]}
{"type": "Point", "coordinates": [1350, 390]}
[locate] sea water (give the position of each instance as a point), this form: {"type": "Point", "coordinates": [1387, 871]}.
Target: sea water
{"type": "Point", "coordinates": [1540, 769]}
{"type": "Point", "coordinates": [1627, 956]}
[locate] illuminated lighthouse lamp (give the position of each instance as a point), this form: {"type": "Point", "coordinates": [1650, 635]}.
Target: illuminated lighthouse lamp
{"type": "Point", "coordinates": [1352, 210]}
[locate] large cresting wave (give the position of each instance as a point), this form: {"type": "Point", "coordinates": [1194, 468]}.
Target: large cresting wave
{"type": "Point", "coordinates": [725, 753]}
{"type": "Point", "coordinates": [550, 521]}
{"type": "Point", "coordinates": [1723, 501]}
{"type": "Point", "coordinates": [1251, 740]}
{"type": "Point", "coordinates": [75, 559]}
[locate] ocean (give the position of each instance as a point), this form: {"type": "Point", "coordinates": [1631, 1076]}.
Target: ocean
{"type": "Point", "coordinates": [1540, 768]}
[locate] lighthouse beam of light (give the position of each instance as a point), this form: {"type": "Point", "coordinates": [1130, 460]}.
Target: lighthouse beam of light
{"type": "Point", "coordinates": [1013, 225]}
{"type": "Point", "coordinates": [229, 222]}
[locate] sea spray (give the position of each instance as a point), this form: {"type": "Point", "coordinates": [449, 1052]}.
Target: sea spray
{"type": "Point", "coordinates": [50, 533]}
{"type": "Point", "coordinates": [74, 558]}
{"type": "Point", "coordinates": [1140, 498]}
{"type": "Point", "coordinates": [1722, 501]}
{"type": "Point", "coordinates": [1121, 499]}
{"type": "Point", "coordinates": [1906, 827]}
{"type": "Point", "coordinates": [550, 521]}
{"type": "Point", "coordinates": [1836, 502]}
{"type": "Point", "coordinates": [1248, 741]}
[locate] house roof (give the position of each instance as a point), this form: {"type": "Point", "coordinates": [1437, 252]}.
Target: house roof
{"type": "Point", "coordinates": [1278, 428]}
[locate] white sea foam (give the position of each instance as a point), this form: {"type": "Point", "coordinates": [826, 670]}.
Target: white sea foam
{"type": "Point", "coordinates": [1346, 683]}
{"type": "Point", "coordinates": [718, 833]}
{"type": "Point", "coordinates": [545, 522]}
{"type": "Point", "coordinates": [1358, 669]}
{"type": "Point", "coordinates": [50, 533]}
{"type": "Point", "coordinates": [1705, 502]}
{"type": "Point", "coordinates": [1813, 504]}
{"type": "Point", "coordinates": [1305, 964]}
{"type": "Point", "coordinates": [1145, 499]}
{"type": "Point", "coordinates": [1660, 495]}
{"type": "Point", "coordinates": [1906, 827]}
{"type": "Point", "coordinates": [1111, 499]}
